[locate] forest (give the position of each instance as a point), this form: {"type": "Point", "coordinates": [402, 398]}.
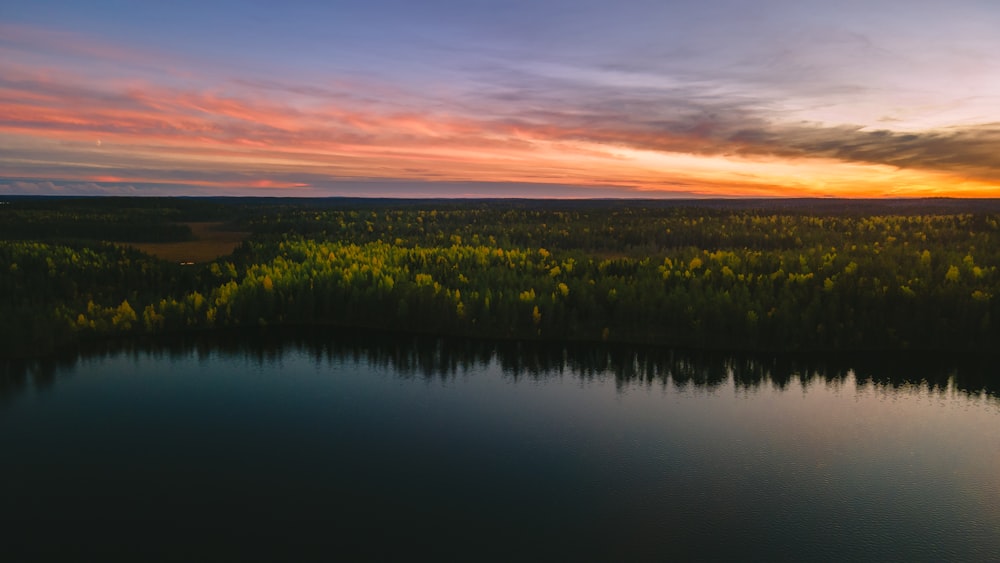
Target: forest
{"type": "Point", "coordinates": [800, 275]}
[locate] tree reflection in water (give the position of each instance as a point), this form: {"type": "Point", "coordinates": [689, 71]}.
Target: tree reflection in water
{"type": "Point", "coordinates": [444, 357]}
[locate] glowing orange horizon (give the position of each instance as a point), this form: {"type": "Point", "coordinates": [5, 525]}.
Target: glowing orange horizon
{"type": "Point", "coordinates": [146, 134]}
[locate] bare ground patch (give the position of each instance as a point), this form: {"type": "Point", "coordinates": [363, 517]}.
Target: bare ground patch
{"type": "Point", "coordinates": [211, 242]}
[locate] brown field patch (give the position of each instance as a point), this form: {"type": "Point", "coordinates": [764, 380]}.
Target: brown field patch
{"type": "Point", "coordinates": [211, 242]}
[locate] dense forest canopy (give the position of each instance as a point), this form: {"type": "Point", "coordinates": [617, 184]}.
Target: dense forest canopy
{"type": "Point", "coordinates": [742, 274]}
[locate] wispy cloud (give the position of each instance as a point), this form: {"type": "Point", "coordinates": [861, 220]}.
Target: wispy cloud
{"type": "Point", "coordinates": [83, 110]}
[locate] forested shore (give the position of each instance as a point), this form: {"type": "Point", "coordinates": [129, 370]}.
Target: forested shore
{"type": "Point", "coordinates": [746, 275]}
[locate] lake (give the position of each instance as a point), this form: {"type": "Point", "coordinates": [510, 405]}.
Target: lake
{"type": "Point", "coordinates": [376, 446]}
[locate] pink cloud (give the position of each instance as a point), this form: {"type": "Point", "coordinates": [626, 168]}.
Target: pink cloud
{"type": "Point", "coordinates": [261, 133]}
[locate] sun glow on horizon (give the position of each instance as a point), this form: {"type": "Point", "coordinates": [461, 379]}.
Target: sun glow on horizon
{"type": "Point", "coordinates": [77, 109]}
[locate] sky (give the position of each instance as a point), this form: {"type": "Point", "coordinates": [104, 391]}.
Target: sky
{"type": "Point", "coordinates": [482, 98]}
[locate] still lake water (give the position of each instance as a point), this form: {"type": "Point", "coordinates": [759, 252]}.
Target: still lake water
{"type": "Point", "coordinates": [404, 447]}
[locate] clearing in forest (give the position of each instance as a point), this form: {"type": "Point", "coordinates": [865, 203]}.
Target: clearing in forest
{"type": "Point", "coordinates": [210, 242]}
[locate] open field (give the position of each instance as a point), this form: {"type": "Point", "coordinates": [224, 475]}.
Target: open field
{"type": "Point", "coordinates": [210, 243]}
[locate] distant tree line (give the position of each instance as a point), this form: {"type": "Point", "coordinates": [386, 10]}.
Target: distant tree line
{"type": "Point", "coordinates": [137, 225]}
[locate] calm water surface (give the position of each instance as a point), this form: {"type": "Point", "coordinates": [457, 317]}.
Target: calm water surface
{"type": "Point", "coordinates": [320, 448]}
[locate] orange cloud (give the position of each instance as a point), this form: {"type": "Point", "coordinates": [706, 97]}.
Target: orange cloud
{"type": "Point", "coordinates": [256, 138]}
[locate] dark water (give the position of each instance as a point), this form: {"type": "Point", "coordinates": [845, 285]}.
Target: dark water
{"type": "Point", "coordinates": [376, 447]}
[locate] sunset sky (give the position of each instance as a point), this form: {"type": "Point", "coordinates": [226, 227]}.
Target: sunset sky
{"type": "Point", "coordinates": [542, 98]}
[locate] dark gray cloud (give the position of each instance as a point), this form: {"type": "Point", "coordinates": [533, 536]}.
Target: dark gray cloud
{"type": "Point", "coordinates": [973, 150]}
{"type": "Point", "coordinates": [705, 120]}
